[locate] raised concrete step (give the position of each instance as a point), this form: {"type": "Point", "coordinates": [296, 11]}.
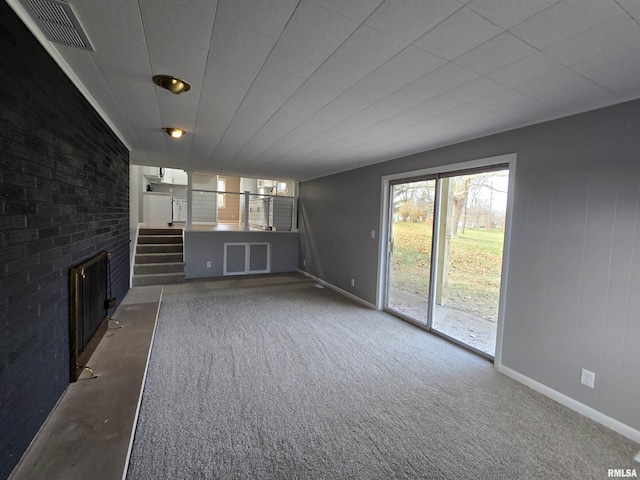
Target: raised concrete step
{"type": "Point", "coordinates": [159, 239]}
{"type": "Point", "coordinates": [159, 248]}
{"type": "Point", "coordinates": [158, 279]}
{"type": "Point", "coordinates": [158, 258]}
{"type": "Point", "coordinates": [144, 268]}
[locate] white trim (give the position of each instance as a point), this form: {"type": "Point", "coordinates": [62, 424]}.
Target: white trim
{"type": "Point", "coordinates": [339, 290]}
{"type": "Point", "coordinates": [569, 402]}
{"type": "Point", "coordinates": [64, 66]}
{"type": "Point", "coordinates": [506, 249]}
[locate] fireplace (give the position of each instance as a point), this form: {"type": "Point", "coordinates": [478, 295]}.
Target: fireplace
{"type": "Point", "coordinates": [89, 282]}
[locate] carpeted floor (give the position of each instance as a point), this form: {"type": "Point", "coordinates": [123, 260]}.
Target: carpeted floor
{"type": "Point", "coordinates": [273, 378]}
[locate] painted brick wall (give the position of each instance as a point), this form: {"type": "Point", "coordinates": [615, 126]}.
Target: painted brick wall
{"type": "Point", "coordinates": [64, 194]}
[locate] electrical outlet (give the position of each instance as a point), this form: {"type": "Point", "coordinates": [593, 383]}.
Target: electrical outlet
{"type": "Point", "coordinates": [353, 282]}
{"type": "Point", "coordinates": [304, 263]}
{"type": "Point", "coordinates": [588, 378]}
{"type": "Point", "coordinates": [373, 234]}
{"type": "Point", "coordinates": [208, 264]}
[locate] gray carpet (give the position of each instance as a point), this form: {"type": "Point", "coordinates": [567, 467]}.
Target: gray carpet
{"type": "Point", "coordinates": [273, 378]}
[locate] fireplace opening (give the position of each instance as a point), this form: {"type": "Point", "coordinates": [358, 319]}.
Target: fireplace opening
{"type": "Point", "coordinates": [89, 315]}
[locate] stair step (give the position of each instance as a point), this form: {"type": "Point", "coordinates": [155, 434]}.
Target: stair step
{"type": "Point", "coordinates": [159, 239]}
{"type": "Point", "coordinates": [158, 258]}
{"type": "Point", "coordinates": [157, 279]}
{"type": "Point", "coordinates": [160, 231]}
{"type": "Point", "coordinates": [159, 248]}
{"type": "Point", "coordinates": [172, 267]}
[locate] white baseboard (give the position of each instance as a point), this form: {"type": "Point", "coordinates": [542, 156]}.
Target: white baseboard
{"type": "Point", "coordinates": [339, 290]}
{"type": "Point", "coordinates": [569, 402]}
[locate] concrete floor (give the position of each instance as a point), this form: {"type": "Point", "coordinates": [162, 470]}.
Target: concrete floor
{"type": "Point", "coordinates": [89, 433]}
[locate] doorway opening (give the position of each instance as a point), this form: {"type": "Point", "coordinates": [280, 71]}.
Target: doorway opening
{"type": "Point", "coordinates": [446, 237]}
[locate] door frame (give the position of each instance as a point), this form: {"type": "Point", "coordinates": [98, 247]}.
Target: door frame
{"type": "Point", "coordinates": [383, 245]}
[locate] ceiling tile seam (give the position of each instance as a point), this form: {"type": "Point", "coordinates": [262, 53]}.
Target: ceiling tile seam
{"type": "Point", "coordinates": [337, 124]}
{"type": "Point", "coordinates": [626, 11]}
{"type": "Point", "coordinates": [532, 46]}
{"type": "Point", "coordinates": [415, 40]}
{"type": "Point", "coordinates": [144, 34]}
{"type": "Point", "coordinates": [444, 20]}
{"type": "Point", "coordinates": [345, 16]}
{"type": "Point", "coordinates": [235, 114]}
{"type": "Point", "coordinates": [347, 136]}
{"type": "Point", "coordinates": [355, 147]}
{"type": "Point", "coordinates": [204, 76]}
{"type": "Point", "coordinates": [297, 89]}
{"type": "Point", "coordinates": [311, 75]}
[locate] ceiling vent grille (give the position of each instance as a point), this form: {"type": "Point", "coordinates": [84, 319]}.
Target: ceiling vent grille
{"type": "Point", "coordinates": [59, 23]}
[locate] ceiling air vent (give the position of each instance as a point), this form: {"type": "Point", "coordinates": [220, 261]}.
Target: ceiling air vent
{"type": "Point", "coordinates": [58, 22]}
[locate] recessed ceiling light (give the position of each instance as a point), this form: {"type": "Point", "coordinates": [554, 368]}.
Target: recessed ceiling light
{"type": "Point", "coordinates": [174, 132]}
{"type": "Point", "coordinates": [173, 84]}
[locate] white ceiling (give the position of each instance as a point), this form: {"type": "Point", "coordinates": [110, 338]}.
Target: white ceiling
{"type": "Point", "coordinates": [299, 89]}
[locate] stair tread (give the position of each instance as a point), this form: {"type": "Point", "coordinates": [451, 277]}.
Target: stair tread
{"type": "Point", "coordinates": [169, 274]}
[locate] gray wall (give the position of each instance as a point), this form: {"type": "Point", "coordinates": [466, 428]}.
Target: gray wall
{"type": "Point", "coordinates": [204, 246]}
{"type": "Point", "coordinates": [574, 272]}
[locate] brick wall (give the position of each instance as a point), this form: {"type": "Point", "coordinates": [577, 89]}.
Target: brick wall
{"type": "Point", "coordinates": [64, 194]}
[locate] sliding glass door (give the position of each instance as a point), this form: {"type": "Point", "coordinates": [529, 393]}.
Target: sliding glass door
{"type": "Point", "coordinates": [410, 245]}
{"type": "Point", "coordinates": [446, 236]}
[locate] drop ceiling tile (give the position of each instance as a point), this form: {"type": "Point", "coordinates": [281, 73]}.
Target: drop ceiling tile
{"type": "Point", "coordinates": [331, 80]}
{"type": "Point", "coordinates": [295, 59]}
{"type": "Point", "coordinates": [411, 64]}
{"type": "Point", "coordinates": [268, 18]}
{"type": "Point", "coordinates": [632, 7]}
{"type": "Point", "coordinates": [565, 19]}
{"type": "Point", "coordinates": [526, 69]}
{"type": "Point", "coordinates": [552, 82]}
{"type": "Point", "coordinates": [495, 53]}
{"type": "Point", "coordinates": [406, 97]}
{"type": "Point", "coordinates": [507, 13]}
{"type": "Point", "coordinates": [127, 15]}
{"type": "Point", "coordinates": [184, 61]}
{"type": "Point", "coordinates": [617, 71]}
{"type": "Point", "coordinates": [369, 48]}
{"type": "Point", "coordinates": [235, 58]}
{"type": "Point", "coordinates": [464, 113]}
{"type": "Point", "coordinates": [336, 76]}
{"type": "Point", "coordinates": [605, 37]}
{"type": "Point", "coordinates": [316, 28]}
{"type": "Point", "coordinates": [475, 89]}
{"type": "Point", "coordinates": [445, 78]}
{"type": "Point", "coordinates": [408, 20]}
{"type": "Point", "coordinates": [579, 98]}
{"type": "Point", "coordinates": [514, 104]}
{"type": "Point", "coordinates": [357, 10]}
{"type": "Point", "coordinates": [458, 34]}
{"type": "Point", "coordinates": [185, 25]}
{"type": "Point", "coordinates": [272, 88]}
{"type": "Point", "coordinates": [375, 86]}
{"type": "Point", "coordinates": [440, 104]}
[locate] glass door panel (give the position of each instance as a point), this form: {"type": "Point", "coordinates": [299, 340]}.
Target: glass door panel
{"type": "Point", "coordinates": [470, 246]}
{"type": "Point", "coordinates": [412, 209]}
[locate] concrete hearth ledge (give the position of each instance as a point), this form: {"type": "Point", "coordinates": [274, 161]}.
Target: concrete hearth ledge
{"type": "Point", "coordinates": [90, 431]}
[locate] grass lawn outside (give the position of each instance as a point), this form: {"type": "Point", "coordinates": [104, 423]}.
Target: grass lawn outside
{"type": "Point", "coordinates": [475, 266]}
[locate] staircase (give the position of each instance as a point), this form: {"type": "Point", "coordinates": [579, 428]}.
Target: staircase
{"type": "Point", "coordinates": [158, 257]}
